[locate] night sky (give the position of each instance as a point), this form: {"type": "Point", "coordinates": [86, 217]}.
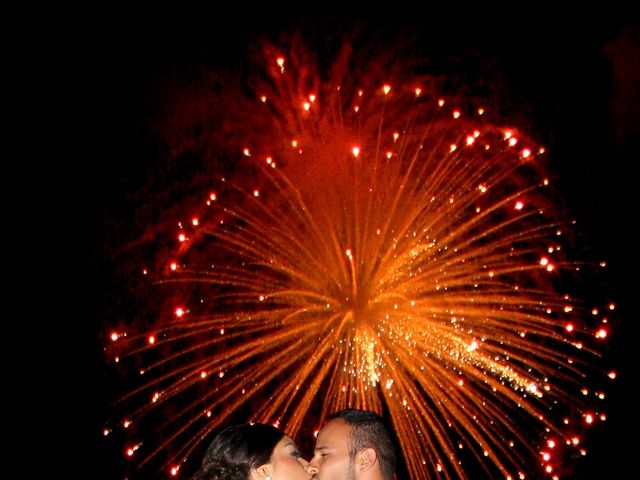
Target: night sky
{"type": "Point", "coordinates": [572, 83]}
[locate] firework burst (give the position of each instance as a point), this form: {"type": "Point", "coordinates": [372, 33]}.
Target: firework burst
{"type": "Point", "coordinates": [383, 248]}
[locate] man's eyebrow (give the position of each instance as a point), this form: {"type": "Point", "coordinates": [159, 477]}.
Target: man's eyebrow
{"type": "Point", "coordinates": [322, 447]}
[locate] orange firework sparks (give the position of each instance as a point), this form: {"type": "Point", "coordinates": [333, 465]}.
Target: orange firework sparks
{"type": "Point", "coordinates": [395, 259]}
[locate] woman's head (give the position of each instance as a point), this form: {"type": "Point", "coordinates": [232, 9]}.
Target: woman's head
{"type": "Point", "coordinates": [252, 451]}
{"type": "Point", "coordinates": [244, 446]}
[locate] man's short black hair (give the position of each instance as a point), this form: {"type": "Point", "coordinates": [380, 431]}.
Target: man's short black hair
{"type": "Point", "coordinates": [368, 430]}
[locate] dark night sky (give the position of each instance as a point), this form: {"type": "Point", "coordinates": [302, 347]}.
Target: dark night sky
{"type": "Point", "coordinates": [576, 80]}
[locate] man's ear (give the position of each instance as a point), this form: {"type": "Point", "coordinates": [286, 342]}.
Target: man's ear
{"type": "Point", "coordinates": [366, 459]}
{"type": "Point", "coordinates": [260, 473]}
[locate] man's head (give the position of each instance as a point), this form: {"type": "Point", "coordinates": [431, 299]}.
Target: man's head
{"type": "Point", "coordinates": [353, 445]}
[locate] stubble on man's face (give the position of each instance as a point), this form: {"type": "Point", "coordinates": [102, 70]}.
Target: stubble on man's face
{"type": "Point", "coordinates": [351, 474]}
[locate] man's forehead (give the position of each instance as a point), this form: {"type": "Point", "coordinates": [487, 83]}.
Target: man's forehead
{"type": "Point", "coordinates": [334, 433]}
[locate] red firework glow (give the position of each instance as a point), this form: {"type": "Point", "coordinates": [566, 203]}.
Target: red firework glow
{"type": "Point", "coordinates": [380, 245]}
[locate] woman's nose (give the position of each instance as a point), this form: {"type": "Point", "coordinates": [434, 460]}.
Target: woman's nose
{"type": "Point", "coordinates": [312, 467]}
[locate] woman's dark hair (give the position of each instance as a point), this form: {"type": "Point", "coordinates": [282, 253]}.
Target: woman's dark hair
{"type": "Point", "coordinates": [235, 450]}
{"type": "Point", "coordinates": [216, 470]}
